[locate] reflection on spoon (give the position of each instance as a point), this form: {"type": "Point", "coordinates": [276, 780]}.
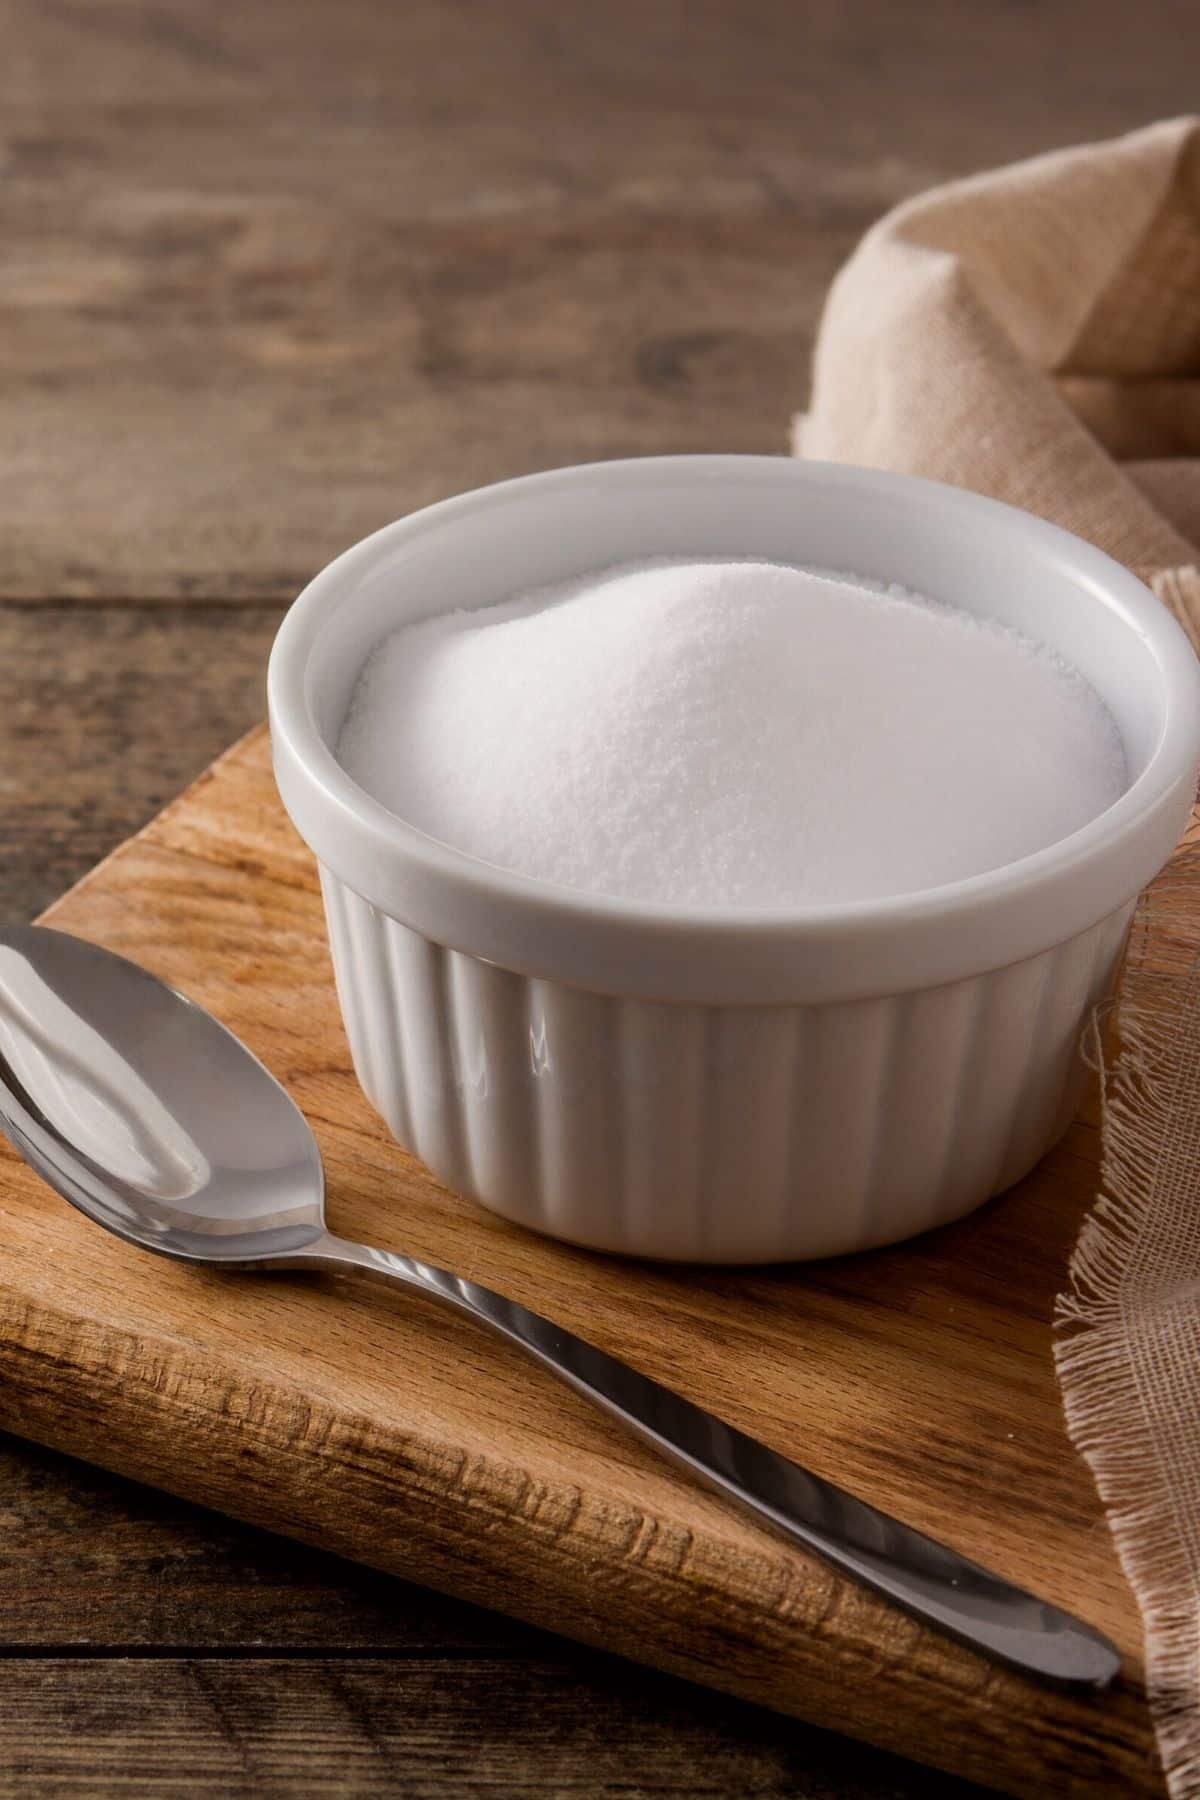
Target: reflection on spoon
{"type": "Point", "coordinates": [88, 1092]}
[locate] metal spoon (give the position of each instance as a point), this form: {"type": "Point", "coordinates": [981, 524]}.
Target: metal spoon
{"type": "Point", "coordinates": [151, 1118]}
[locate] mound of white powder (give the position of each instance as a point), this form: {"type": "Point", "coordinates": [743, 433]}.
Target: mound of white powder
{"type": "Point", "coordinates": [731, 734]}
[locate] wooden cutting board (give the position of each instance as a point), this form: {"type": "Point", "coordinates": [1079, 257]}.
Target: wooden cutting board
{"type": "Point", "coordinates": [380, 1427]}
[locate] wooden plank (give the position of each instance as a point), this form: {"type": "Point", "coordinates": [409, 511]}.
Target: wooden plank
{"type": "Point", "coordinates": [92, 1563]}
{"type": "Point", "coordinates": [262, 1729]}
{"type": "Point", "coordinates": [920, 1376]}
{"type": "Point", "coordinates": [106, 713]}
{"type": "Point", "coordinates": [111, 1591]}
{"type": "Point", "coordinates": [272, 279]}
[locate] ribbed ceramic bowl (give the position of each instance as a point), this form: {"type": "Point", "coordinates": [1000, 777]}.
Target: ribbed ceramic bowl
{"type": "Point", "coordinates": [709, 1085]}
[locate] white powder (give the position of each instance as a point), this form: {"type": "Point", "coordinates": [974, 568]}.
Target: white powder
{"type": "Point", "coordinates": [731, 734]}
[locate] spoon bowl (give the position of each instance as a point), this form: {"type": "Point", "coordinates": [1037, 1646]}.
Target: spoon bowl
{"type": "Point", "coordinates": [145, 1112]}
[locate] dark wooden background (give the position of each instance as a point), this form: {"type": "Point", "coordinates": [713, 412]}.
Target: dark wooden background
{"type": "Point", "coordinates": [270, 275]}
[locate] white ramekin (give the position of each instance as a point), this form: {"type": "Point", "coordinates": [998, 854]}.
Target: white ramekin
{"type": "Point", "coordinates": [727, 1086]}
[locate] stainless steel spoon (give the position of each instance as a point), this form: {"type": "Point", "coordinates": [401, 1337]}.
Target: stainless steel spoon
{"type": "Point", "coordinates": [151, 1118]}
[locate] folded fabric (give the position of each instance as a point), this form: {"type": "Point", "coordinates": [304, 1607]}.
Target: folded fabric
{"type": "Point", "coordinates": [1035, 334]}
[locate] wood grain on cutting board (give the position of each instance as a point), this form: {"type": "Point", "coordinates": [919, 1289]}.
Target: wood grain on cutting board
{"type": "Point", "coordinates": [395, 1433]}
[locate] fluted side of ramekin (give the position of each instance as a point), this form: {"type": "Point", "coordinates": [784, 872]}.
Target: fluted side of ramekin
{"type": "Point", "coordinates": [715, 1133]}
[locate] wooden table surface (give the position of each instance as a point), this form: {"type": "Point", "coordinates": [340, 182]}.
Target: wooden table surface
{"type": "Point", "coordinates": [272, 275]}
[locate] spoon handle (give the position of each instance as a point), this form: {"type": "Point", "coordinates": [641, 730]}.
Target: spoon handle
{"type": "Point", "coordinates": [927, 1579]}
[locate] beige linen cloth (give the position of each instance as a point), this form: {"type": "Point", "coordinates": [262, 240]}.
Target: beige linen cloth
{"type": "Point", "coordinates": [1035, 334]}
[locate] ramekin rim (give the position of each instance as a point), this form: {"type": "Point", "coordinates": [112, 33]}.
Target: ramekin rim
{"type": "Point", "coordinates": [295, 730]}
